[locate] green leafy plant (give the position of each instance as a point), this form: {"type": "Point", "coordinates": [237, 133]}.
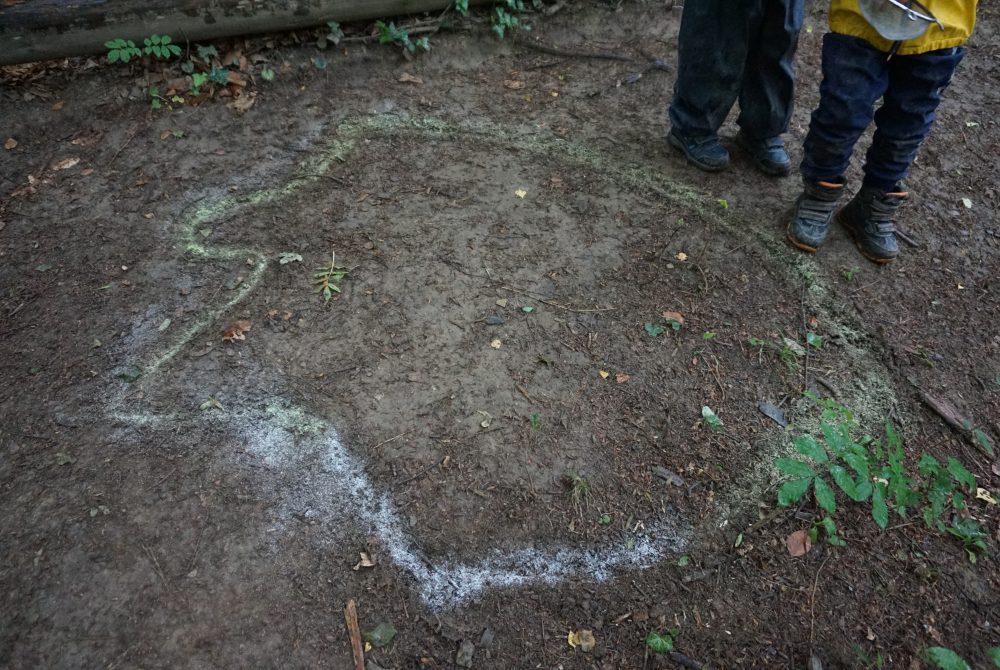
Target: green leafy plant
{"type": "Point", "coordinates": [155, 99]}
{"type": "Point", "coordinates": [870, 472]}
{"type": "Point", "coordinates": [219, 75]}
{"type": "Point", "coordinates": [661, 643]}
{"type": "Point", "coordinates": [536, 421]}
{"type": "Point", "coordinates": [711, 419]}
{"type": "Point", "coordinates": [122, 50]}
{"type": "Point", "coordinates": [653, 329]}
{"type": "Point", "coordinates": [708, 335]}
{"type": "Point", "coordinates": [462, 6]}
{"type": "Point", "coordinates": [198, 80]}
{"type": "Point", "coordinates": [946, 659]}
{"type": "Point", "coordinates": [333, 35]}
{"type": "Point", "coordinates": [206, 53]}
{"type": "Point", "coordinates": [267, 74]}
{"type": "Point", "coordinates": [850, 273]}
{"type": "Point", "coordinates": [392, 34]}
{"type": "Point", "coordinates": [160, 47]}
{"type": "Point", "coordinates": [327, 279]}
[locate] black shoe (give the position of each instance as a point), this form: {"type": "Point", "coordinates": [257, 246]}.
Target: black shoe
{"type": "Point", "coordinates": [814, 210]}
{"type": "Point", "coordinates": [705, 152]}
{"type": "Point", "coordinates": [768, 154]}
{"type": "Point", "coordinates": [868, 219]}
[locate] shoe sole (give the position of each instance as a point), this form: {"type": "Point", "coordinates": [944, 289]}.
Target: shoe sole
{"type": "Point", "coordinates": [676, 144]}
{"type": "Point", "coordinates": [857, 242]}
{"type": "Point", "coordinates": [783, 171]}
{"type": "Point", "coordinates": [798, 245]}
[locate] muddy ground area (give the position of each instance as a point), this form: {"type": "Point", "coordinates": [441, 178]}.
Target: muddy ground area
{"type": "Point", "coordinates": [493, 434]}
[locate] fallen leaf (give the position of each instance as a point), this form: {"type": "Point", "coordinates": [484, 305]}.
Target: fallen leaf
{"type": "Point", "coordinates": [496, 343]}
{"type": "Point", "coordinates": [984, 495]}
{"type": "Point", "coordinates": [58, 106]}
{"type": "Point", "coordinates": [621, 377]}
{"type": "Point", "coordinates": [244, 102]}
{"type": "Point", "coordinates": [681, 256]}
{"type": "Point", "coordinates": [236, 78]}
{"type": "Point", "coordinates": [286, 257]}
{"type": "Point", "coordinates": [87, 172]}
{"type": "Point", "coordinates": [365, 562]}
{"type": "Point", "coordinates": [237, 331]}
{"type": "Point", "coordinates": [520, 193]}
{"type": "Point", "coordinates": [165, 134]}
{"type": "Point", "coordinates": [407, 78]}
{"type": "Point", "coordinates": [381, 635]}
{"type": "Point", "coordinates": [604, 374]}
{"type": "Point", "coordinates": [10, 143]}
{"type": "Point", "coordinates": [212, 403]}
{"type": "Point", "coordinates": [798, 543]}
{"type": "Point", "coordinates": [513, 84]}
{"type": "Point", "coordinates": [674, 316]}
{"type": "Point", "coordinates": [584, 639]}
{"type": "Point", "coordinates": [501, 302]}
{"type": "Point", "coordinates": [66, 163]}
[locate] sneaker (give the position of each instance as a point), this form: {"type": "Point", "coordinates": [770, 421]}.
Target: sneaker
{"type": "Point", "coordinates": [705, 153]}
{"type": "Point", "coordinates": [814, 210]}
{"type": "Point", "coordinates": [868, 219]}
{"type": "Point", "coordinates": [768, 154]}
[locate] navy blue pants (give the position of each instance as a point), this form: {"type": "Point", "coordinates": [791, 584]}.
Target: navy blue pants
{"type": "Point", "coordinates": [855, 76]}
{"type": "Point", "coordinates": [729, 49]}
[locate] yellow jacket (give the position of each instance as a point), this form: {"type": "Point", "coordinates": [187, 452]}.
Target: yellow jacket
{"type": "Point", "coordinates": [958, 17]}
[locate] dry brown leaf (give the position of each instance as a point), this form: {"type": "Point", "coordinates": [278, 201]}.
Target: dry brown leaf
{"type": "Point", "coordinates": [583, 639]}
{"type": "Point", "coordinates": [87, 172]}
{"type": "Point", "coordinates": [10, 143]}
{"type": "Point", "coordinates": [58, 106]}
{"type": "Point", "coordinates": [66, 163]}
{"type": "Point", "coordinates": [86, 138]}
{"type": "Point", "coordinates": [681, 256]}
{"type": "Point", "coordinates": [408, 78]}
{"type": "Point", "coordinates": [798, 543]}
{"type": "Point", "coordinates": [244, 102]}
{"type": "Point", "coordinates": [237, 331]}
{"type": "Point", "coordinates": [674, 316]}
{"type": "Point", "coordinates": [514, 84]}
{"type": "Point", "coordinates": [236, 79]}
{"type": "Point", "coordinates": [165, 134]}
{"type": "Point", "coordinates": [603, 373]}
{"type": "Point", "coordinates": [621, 377]}
{"type": "Point", "coordinates": [365, 562]}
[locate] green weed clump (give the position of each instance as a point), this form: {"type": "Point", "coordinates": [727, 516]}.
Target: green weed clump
{"type": "Point", "coordinates": [873, 473]}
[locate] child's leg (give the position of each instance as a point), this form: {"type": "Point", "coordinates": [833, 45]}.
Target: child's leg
{"type": "Point", "coordinates": [711, 56]}
{"type": "Point", "coordinates": [855, 75]}
{"type": "Point", "coordinates": [766, 95]}
{"type": "Point", "coordinates": [907, 113]}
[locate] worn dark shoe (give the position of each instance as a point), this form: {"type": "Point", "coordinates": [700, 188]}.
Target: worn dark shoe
{"type": "Point", "coordinates": [768, 154]}
{"type": "Point", "coordinates": [814, 210]}
{"type": "Point", "coordinates": [868, 218]}
{"type": "Point", "coordinates": [705, 152]}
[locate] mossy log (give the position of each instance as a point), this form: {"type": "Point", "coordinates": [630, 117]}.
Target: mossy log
{"type": "Point", "coordinates": [32, 30]}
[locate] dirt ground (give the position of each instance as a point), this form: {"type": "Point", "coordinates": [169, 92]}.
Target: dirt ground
{"type": "Point", "coordinates": [481, 411]}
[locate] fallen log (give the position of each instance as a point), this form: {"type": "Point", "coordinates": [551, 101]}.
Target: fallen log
{"type": "Point", "coordinates": [32, 30]}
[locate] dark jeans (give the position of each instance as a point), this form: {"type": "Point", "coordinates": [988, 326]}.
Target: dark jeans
{"type": "Point", "coordinates": [729, 49]}
{"type": "Point", "coordinates": [855, 76]}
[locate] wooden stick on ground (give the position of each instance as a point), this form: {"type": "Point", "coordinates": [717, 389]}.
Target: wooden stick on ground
{"type": "Point", "coordinates": [351, 617]}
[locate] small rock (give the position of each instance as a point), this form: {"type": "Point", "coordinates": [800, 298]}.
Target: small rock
{"type": "Point", "coordinates": [129, 373]}
{"type": "Point", "coordinates": [495, 320]}
{"type": "Point", "coordinates": [815, 663]}
{"type": "Point", "coordinates": [466, 651]}
{"type": "Point", "coordinates": [486, 639]}
{"type": "Point", "coordinates": [372, 665]}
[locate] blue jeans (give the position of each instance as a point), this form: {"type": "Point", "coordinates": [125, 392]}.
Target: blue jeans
{"type": "Point", "coordinates": [855, 76]}
{"type": "Point", "coordinates": [729, 49]}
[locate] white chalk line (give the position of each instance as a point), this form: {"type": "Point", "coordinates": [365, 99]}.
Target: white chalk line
{"type": "Point", "coordinates": [282, 436]}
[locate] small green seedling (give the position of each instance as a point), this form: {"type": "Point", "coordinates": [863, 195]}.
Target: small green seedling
{"type": "Point", "coordinates": [198, 80]}
{"type": "Point", "coordinates": [850, 273]}
{"type": "Point", "coordinates": [122, 50]}
{"type": "Point", "coordinates": [332, 36]}
{"type": "Point", "coordinates": [708, 335]}
{"type": "Point", "coordinates": [653, 329]}
{"type": "Point", "coordinates": [161, 47]}
{"type": "Point", "coordinates": [604, 519]}
{"type": "Point", "coordinates": [327, 279]}
{"type": "Point", "coordinates": [945, 659]}
{"type": "Point", "coordinates": [579, 487]}
{"type": "Point", "coordinates": [536, 421]}
{"type": "Point", "coordinates": [462, 6]}
{"type": "Point", "coordinates": [267, 74]}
